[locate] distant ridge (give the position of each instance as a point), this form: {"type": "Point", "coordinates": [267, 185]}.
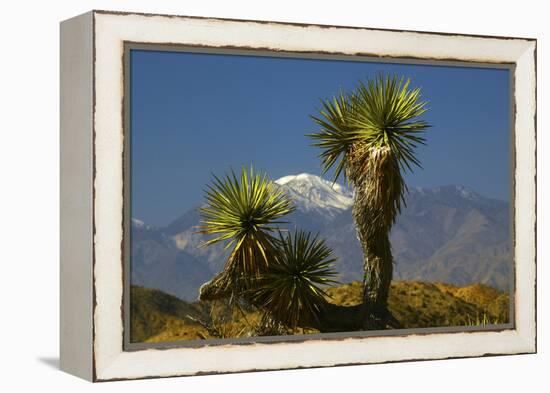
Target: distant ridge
{"type": "Point", "coordinates": [444, 234]}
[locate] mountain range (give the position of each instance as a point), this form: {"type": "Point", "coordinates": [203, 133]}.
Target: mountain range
{"type": "Point", "coordinates": [445, 234]}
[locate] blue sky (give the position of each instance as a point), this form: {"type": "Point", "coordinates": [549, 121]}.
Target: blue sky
{"type": "Point", "coordinates": [197, 114]}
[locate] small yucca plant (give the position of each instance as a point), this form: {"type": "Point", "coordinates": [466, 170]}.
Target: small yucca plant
{"type": "Point", "coordinates": [242, 211]}
{"type": "Point", "coordinates": [291, 289]}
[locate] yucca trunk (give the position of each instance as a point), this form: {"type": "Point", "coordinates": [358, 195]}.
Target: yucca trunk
{"type": "Point", "coordinates": [377, 266]}
{"type": "Point", "coordinates": [378, 188]}
{"type": "Point", "coordinates": [241, 270]}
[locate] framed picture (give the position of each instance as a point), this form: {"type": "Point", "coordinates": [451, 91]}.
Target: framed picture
{"type": "Point", "coordinates": [246, 195]}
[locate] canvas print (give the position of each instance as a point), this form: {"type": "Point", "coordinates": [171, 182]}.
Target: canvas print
{"type": "Point", "coordinates": [285, 196]}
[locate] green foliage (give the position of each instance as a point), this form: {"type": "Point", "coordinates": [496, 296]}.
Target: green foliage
{"type": "Point", "coordinates": [336, 136]}
{"type": "Point", "coordinates": [243, 212]}
{"type": "Point", "coordinates": [379, 114]}
{"type": "Point", "coordinates": [283, 275]}
{"type": "Point", "coordinates": [243, 208]}
{"type": "Point", "coordinates": [291, 289]}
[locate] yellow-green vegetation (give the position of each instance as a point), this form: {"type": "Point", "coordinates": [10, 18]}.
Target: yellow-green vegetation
{"type": "Point", "coordinates": [153, 312]}
{"type": "Point", "coordinates": [158, 317]}
{"type": "Point", "coordinates": [495, 304]}
{"type": "Point", "coordinates": [420, 304]}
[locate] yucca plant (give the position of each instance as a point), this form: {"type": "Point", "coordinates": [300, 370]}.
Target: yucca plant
{"type": "Point", "coordinates": [291, 291]}
{"type": "Point", "coordinates": [370, 136]}
{"type": "Point", "coordinates": [243, 212]}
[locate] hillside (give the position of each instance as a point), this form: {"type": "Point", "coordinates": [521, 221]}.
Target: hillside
{"type": "Point", "coordinates": [445, 234]}
{"type": "Point", "coordinates": [159, 317]}
{"type": "Point", "coordinates": [153, 311]}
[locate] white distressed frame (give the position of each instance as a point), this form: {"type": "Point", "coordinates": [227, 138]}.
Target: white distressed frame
{"type": "Point", "coordinates": [110, 31]}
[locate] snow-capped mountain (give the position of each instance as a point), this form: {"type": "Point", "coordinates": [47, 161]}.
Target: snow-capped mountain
{"type": "Point", "coordinates": [138, 223]}
{"type": "Point", "coordinates": [449, 234]}
{"type": "Point", "coordinates": [310, 192]}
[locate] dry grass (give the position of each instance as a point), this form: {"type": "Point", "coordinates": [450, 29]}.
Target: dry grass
{"type": "Point", "coordinates": [158, 317]}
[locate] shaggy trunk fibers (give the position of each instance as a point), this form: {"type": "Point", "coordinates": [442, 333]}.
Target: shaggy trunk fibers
{"type": "Point", "coordinates": [378, 188]}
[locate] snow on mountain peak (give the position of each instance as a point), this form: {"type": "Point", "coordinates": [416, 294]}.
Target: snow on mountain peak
{"type": "Point", "coordinates": [457, 193]}
{"type": "Point", "coordinates": [311, 192]}
{"type": "Point", "coordinates": [137, 223]}
{"type": "Point", "coordinates": [467, 193]}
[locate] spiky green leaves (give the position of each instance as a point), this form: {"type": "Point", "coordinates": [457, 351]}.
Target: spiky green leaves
{"type": "Point", "coordinates": [281, 275]}
{"type": "Point", "coordinates": [336, 136]}
{"type": "Point", "coordinates": [383, 113]}
{"type": "Point", "coordinates": [244, 211]}
{"type": "Point", "coordinates": [291, 289]}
